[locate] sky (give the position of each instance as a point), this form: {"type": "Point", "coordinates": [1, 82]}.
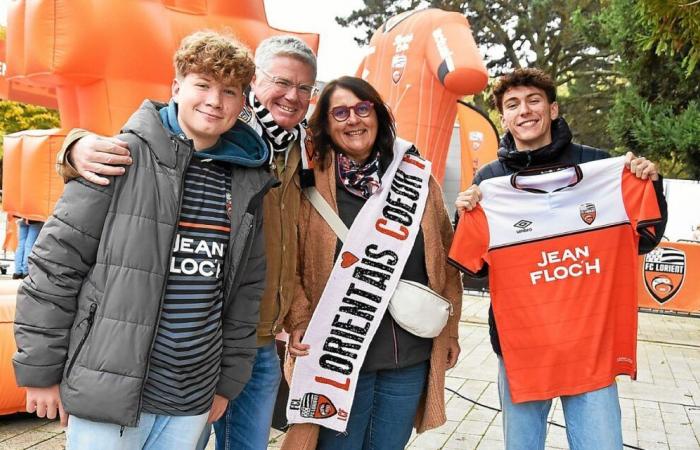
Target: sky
{"type": "Point", "coordinates": [338, 54]}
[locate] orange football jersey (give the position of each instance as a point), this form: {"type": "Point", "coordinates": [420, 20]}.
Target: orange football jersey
{"type": "Point", "coordinates": [422, 61]}
{"type": "Point", "coordinates": [561, 246]}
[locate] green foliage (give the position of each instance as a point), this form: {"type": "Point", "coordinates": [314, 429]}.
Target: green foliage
{"type": "Point", "coordinates": [16, 116]}
{"type": "Point", "coordinates": [674, 28]}
{"type": "Point", "coordinates": [660, 133]}
{"type": "Point", "coordinates": [657, 112]}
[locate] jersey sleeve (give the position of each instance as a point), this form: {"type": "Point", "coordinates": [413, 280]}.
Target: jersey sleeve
{"type": "Point", "coordinates": [471, 242]}
{"type": "Point", "coordinates": [641, 203]}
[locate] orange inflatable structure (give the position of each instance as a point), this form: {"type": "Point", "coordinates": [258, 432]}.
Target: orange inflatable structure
{"type": "Point", "coordinates": [422, 62]}
{"type": "Point", "coordinates": [31, 185]}
{"type": "Point", "coordinates": [478, 139]}
{"type": "Point", "coordinates": [21, 90]}
{"type": "Point", "coordinates": [103, 58]}
{"type": "Point", "coordinates": [12, 398]}
{"type": "Point", "coordinates": [96, 60]}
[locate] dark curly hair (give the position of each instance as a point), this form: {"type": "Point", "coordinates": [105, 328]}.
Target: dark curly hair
{"type": "Point", "coordinates": [386, 132]}
{"type": "Point", "coordinates": [523, 77]}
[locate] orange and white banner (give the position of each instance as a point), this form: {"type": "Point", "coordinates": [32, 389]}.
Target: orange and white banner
{"type": "Point", "coordinates": [478, 138]}
{"type": "Point", "coordinates": [669, 278]}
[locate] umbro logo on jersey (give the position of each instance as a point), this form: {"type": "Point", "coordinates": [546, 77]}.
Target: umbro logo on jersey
{"type": "Point", "coordinates": [523, 226]}
{"type": "Point", "coordinates": [587, 211]}
{"type": "Point", "coordinates": [664, 271]}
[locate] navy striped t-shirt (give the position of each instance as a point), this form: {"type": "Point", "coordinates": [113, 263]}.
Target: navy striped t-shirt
{"type": "Point", "coordinates": [186, 357]}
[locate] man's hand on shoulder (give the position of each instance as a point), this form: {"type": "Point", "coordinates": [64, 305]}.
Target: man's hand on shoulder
{"type": "Point", "coordinates": [95, 155]}
{"type": "Point", "coordinates": [641, 167]}
{"type": "Point", "coordinates": [46, 402]}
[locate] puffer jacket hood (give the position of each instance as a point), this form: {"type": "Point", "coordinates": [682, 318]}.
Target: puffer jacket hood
{"type": "Point", "coordinates": [240, 145]}
{"type": "Point", "coordinates": [517, 160]}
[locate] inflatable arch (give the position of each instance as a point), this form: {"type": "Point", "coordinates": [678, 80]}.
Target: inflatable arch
{"type": "Point", "coordinates": [422, 62]}
{"type": "Point", "coordinates": [103, 58]}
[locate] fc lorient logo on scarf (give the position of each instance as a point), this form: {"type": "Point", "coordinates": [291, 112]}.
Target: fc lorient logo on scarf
{"type": "Point", "coordinates": [357, 295]}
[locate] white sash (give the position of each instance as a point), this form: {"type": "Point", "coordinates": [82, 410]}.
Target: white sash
{"type": "Point", "coordinates": [357, 294]}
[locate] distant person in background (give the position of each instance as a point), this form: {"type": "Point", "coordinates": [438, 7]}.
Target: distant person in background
{"type": "Point", "coordinates": [28, 232]}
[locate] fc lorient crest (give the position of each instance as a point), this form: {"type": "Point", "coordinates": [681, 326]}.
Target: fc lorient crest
{"type": "Point", "coordinates": [587, 211]}
{"type": "Point", "coordinates": [315, 406]}
{"type": "Point", "coordinates": [398, 64]}
{"type": "Point", "coordinates": [664, 271]}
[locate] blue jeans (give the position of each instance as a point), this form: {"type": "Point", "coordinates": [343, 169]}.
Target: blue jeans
{"type": "Point", "coordinates": [155, 432]}
{"type": "Point", "coordinates": [593, 419]}
{"type": "Point", "coordinates": [246, 423]}
{"type": "Point", "coordinates": [26, 238]}
{"type": "Point", "coordinates": [383, 411]}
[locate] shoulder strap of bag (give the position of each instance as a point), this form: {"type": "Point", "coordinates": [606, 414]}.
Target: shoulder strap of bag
{"type": "Point", "coordinates": [325, 210]}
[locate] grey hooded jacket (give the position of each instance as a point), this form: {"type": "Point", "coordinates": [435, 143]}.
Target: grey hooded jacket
{"type": "Point", "coordinates": [87, 315]}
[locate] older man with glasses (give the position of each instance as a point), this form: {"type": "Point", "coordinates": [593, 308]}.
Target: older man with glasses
{"type": "Point", "coordinates": [282, 88]}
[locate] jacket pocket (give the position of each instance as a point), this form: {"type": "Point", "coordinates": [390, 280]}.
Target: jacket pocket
{"type": "Point", "coordinates": [90, 320]}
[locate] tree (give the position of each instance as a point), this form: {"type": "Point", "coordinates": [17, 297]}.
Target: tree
{"type": "Point", "coordinates": [16, 116]}
{"type": "Point", "coordinates": [657, 114]}
{"type": "Point", "coordinates": [674, 27]}
{"type": "Point", "coordinates": [549, 34]}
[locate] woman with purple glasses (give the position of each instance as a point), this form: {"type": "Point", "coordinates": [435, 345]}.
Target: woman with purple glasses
{"type": "Point", "coordinates": [400, 376]}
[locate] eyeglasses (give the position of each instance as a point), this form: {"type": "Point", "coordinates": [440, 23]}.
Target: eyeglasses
{"type": "Point", "coordinates": [362, 109]}
{"type": "Point", "coordinates": [285, 85]}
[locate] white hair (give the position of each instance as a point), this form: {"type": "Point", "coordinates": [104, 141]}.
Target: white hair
{"type": "Point", "coordinates": [284, 45]}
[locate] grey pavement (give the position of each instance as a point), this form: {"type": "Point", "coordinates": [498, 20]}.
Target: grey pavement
{"type": "Point", "coordinates": [660, 410]}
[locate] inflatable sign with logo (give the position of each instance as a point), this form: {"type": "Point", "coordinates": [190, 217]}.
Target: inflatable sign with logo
{"type": "Point", "coordinates": [666, 275]}
{"type": "Point", "coordinates": [422, 62]}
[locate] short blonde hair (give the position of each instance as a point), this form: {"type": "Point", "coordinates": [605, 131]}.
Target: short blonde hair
{"type": "Point", "coordinates": [214, 54]}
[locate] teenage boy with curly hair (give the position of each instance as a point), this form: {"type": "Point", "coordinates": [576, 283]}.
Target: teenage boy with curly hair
{"type": "Point", "coordinates": [138, 316]}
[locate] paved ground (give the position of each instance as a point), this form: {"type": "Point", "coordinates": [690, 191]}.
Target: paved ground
{"type": "Point", "coordinates": [661, 410]}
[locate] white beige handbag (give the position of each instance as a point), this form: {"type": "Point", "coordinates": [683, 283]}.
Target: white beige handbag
{"type": "Point", "coordinates": [415, 307]}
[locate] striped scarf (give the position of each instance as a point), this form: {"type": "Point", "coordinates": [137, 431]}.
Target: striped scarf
{"type": "Point", "coordinates": [277, 137]}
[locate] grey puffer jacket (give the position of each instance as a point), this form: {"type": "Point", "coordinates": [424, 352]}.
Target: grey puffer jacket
{"type": "Point", "coordinates": [87, 315]}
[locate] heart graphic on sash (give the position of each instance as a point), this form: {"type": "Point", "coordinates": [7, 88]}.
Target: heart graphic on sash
{"type": "Point", "coordinates": [348, 259]}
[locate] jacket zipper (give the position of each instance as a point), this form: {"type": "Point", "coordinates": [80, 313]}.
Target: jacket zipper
{"type": "Point", "coordinates": [165, 283]}
{"type": "Point", "coordinates": [278, 294]}
{"type": "Point", "coordinates": [396, 342]}
{"type": "Point", "coordinates": [251, 235]}
{"type": "Point", "coordinates": [90, 319]}
{"type": "Point", "coordinates": [283, 188]}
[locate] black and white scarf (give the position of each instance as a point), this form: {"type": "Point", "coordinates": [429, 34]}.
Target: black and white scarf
{"type": "Point", "coordinates": [361, 179]}
{"type": "Point", "coordinates": [277, 137]}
